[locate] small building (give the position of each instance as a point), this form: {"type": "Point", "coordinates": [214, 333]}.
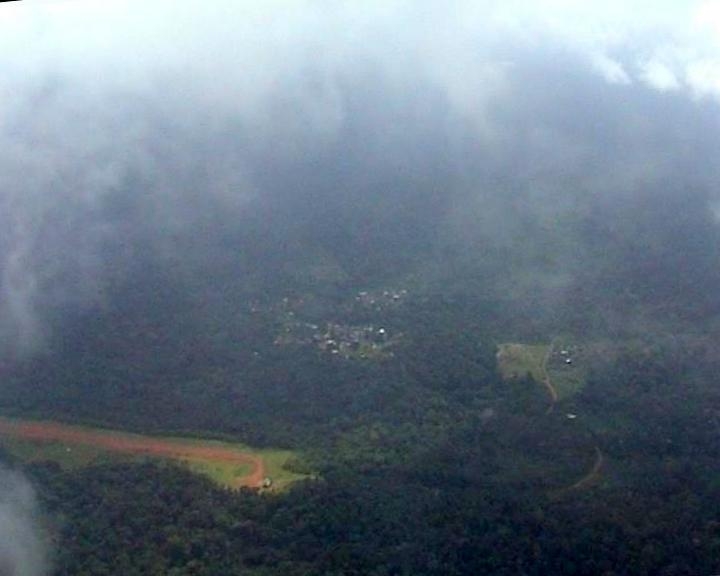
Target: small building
{"type": "Point", "coordinates": [267, 482]}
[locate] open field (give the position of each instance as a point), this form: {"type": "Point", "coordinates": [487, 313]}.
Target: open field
{"type": "Point", "coordinates": [547, 365]}
{"type": "Point", "coordinates": [518, 360]}
{"type": "Point", "coordinates": [568, 379]}
{"type": "Point", "coordinates": [228, 464]}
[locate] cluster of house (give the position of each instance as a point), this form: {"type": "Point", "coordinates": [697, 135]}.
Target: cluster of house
{"type": "Point", "coordinates": [380, 298]}
{"type": "Point", "coordinates": [566, 356]}
{"type": "Point", "coordinates": [366, 341]}
{"type": "Point", "coordinates": [350, 341]}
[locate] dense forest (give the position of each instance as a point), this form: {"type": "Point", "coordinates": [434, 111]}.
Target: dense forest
{"type": "Point", "coordinates": [478, 495]}
{"type": "Point", "coordinates": [427, 462]}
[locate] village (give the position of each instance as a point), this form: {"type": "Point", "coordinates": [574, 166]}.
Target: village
{"type": "Point", "coordinates": [366, 341]}
{"type": "Point", "coordinates": [349, 341]}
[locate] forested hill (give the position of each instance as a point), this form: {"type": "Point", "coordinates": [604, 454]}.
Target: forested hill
{"type": "Point", "coordinates": [428, 462]}
{"type": "Point", "coordinates": [221, 332]}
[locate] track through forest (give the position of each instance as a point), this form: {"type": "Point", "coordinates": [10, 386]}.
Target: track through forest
{"type": "Point", "coordinates": [594, 472]}
{"type": "Point", "coordinates": [138, 445]}
{"type": "Point", "coordinates": [546, 379]}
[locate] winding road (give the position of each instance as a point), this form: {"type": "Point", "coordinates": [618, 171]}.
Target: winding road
{"type": "Point", "coordinates": [552, 392]}
{"type": "Point", "coordinates": [594, 473]}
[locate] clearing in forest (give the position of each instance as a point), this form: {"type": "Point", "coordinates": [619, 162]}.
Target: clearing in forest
{"type": "Point", "coordinates": [567, 366]}
{"type": "Point", "coordinates": [228, 464]}
{"type": "Point", "coordinates": [560, 366]}
{"type": "Point", "coordinates": [519, 360]}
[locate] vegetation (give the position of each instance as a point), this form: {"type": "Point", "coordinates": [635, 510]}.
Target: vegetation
{"type": "Point", "coordinates": [422, 461]}
{"type": "Point", "coordinates": [520, 360]}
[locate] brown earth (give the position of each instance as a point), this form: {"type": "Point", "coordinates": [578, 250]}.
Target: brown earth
{"type": "Point", "coordinates": [592, 475]}
{"type": "Point", "coordinates": [546, 379]}
{"type": "Point", "coordinates": [130, 444]}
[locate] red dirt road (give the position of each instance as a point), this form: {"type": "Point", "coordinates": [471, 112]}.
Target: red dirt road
{"type": "Point", "coordinates": [131, 444]}
{"type": "Point", "coordinates": [592, 475]}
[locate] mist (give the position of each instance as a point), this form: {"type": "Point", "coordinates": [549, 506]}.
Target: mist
{"type": "Point", "coordinates": [172, 140]}
{"type": "Point", "coordinates": [23, 545]}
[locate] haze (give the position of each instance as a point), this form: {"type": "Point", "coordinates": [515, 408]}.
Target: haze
{"type": "Point", "coordinates": [196, 111]}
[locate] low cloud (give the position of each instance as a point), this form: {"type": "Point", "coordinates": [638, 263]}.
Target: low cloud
{"type": "Point", "coordinates": [23, 546]}
{"type": "Point", "coordinates": [612, 70]}
{"type": "Point", "coordinates": [659, 76]}
{"type": "Point", "coordinates": [128, 129]}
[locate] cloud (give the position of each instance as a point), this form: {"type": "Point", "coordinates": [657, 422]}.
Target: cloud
{"type": "Point", "coordinates": [126, 125]}
{"type": "Point", "coordinates": [23, 549]}
{"type": "Point", "coordinates": [703, 77]}
{"type": "Point", "coordinates": [612, 70]}
{"type": "Point", "coordinates": [707, 15]}
{"type": "Point", "coordinates": [658, 76]}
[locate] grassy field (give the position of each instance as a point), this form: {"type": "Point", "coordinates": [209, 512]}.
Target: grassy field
{"type": "Point", "coordinates": [568, 379]}
{"type": "Point", "coordinates": [518, 360]}
{"type": "Point", "coordinates": [71, 455]}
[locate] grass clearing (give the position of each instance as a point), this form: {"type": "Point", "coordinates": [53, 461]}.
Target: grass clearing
{"type": "Point", "coordinates": [518, 360]}
{"type": "Point", "coordinates": [275, 461]}
{"type": "Point", "coordinates": [568, 381]}
{"type": "Point", "coordinates": [568, 378]}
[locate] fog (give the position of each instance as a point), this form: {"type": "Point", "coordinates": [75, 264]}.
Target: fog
{"type": "Point", "coordinates": [23, 549]}
{"type": "Point", "coordinates": [130, 129]}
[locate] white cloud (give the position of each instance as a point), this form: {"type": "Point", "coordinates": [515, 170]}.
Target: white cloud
{"type": "Point", "coordinates": [707, 15]}
{"type": "Point", "coordinates": [612, 70]}
{"type": "Point", "coordinates": [703, 77]}
{"type": "Point", "coordinates": [658, 76]}
{"type": "Point", "coordinates": [231, 51]}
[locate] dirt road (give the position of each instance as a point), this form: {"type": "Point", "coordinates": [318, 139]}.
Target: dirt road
{"type": "Point", "coordinates": [594, 472]}
{"type": "Point", "coordinates": [135, 444]}
{"type": "Point", "coordinates": [592, 475]}
{"type": "Point", "coordinates": [546, 379]}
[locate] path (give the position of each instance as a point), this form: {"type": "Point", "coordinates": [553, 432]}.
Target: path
{"type": "Point", "coordinates": [134, 444]}
{"type": "Point", "coordinates": [546, 379]}
{"type": "Point", "coordinates": [594, 472]}
{"type": "Point", "coordinates": [592, 475]}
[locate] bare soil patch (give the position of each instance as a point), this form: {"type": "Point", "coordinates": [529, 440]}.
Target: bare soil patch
{"type": "Point", "coordinates": [135, 444]}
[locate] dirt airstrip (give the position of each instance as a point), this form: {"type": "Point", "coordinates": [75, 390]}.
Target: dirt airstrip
{"type": "Point", "coordinates": [133, 444]}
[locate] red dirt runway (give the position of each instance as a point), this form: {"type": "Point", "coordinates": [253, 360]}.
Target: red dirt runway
{"type": "Point", "coordinates": [132, 444]}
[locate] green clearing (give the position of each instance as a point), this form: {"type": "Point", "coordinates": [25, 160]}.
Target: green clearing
{"type": "Point", "coordinates": [518, 360]}
{"type": "Point", "coordinates": [223, 474]}
{"type": "Point", "coordinates": [69, 455]}
{"type": "Point", "coordinates": [276, 462]}
{"type": "Point", "coordinates": [568, 379]}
